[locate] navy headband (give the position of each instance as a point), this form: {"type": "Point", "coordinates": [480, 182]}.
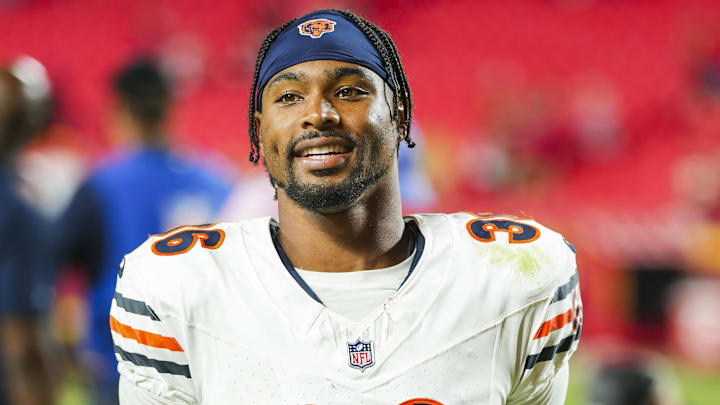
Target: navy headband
{"type": "Point", "coordinates": [320, 35]}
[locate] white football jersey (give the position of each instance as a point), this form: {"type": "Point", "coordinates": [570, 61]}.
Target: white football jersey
{"type": "Point", "coordinates": [489, 313]}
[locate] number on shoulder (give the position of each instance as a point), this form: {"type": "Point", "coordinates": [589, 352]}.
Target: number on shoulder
{"type": "Point", "coordinates": [485, 225]}
{"type": "Point", "coordinates": [182, 239]}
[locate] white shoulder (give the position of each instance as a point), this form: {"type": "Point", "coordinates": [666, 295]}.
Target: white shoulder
{"type": "Point", "coordinates": [518, 252]}
{"type": "Point", "coordinates": [523, 276]}
{"type": "Point", "coordinates": [182, 266]}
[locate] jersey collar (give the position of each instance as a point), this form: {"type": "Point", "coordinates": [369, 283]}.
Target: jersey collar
{"type": "Point", "coordinates": [418, 238]}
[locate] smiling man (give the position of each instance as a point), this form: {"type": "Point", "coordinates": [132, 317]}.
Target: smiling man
{"type": "Point", "coordinates": [343, 300]}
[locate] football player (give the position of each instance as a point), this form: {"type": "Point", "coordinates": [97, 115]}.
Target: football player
{"type": "Point", "coordinates": [343, 300]}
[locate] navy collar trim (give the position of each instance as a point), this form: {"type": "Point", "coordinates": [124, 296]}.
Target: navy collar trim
{"type": "Point", "coordinates": [274, 229]}
{"type": "Point", "coordinates": [419, 247]}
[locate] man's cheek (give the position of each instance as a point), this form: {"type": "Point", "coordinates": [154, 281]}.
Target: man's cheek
{"type": "Point", "coordinates": [273, 166]}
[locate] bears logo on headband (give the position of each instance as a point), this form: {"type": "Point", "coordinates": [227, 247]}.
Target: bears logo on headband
{"type": "Point", "coordinates": [316, 28]}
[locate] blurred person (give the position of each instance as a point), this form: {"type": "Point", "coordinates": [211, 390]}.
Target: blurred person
{"type": "Point", "coordinates": [416, 189]}
{"type": "Point", "coordinates": [251, 197]}
{"type": "Point", "coordinates": [343, 300]}
{"type": "Point", "coordinates": [144, 190]}
{"type": "Point", "coordinates": [634, 379]}
{"type": "Point", "coordinates": [53, 168]}
{"type": "Point", "coordinates": [25, 259]}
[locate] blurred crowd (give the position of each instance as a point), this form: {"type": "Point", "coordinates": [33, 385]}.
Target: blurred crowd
{"type": "Point", "coordinates": [599, 118]}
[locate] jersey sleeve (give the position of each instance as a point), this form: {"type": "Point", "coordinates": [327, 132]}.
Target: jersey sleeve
{"type": "Point", "coordinates": [555, 332]}
{"type": "Point", "coordinates": [152, 363]}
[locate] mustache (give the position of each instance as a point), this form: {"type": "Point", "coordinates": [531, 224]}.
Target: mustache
{"type": "Point", "coordinates": [312, 134]}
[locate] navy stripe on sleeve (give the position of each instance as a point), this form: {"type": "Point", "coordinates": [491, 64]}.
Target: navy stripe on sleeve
{"type": "Point", "coordinates": [166, 367]}
{"type": "Point", "coordinates": [564, 290]}
{"type": "Point", "coordinates": [549, 352]}
{"type": "Point", "coordinates": [135, 306]}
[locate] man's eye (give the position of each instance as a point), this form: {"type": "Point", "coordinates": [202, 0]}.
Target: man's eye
{"type": "Point", "coordinates": [350, 92]}
{"type": "Point", "coordinates": [289, 98]}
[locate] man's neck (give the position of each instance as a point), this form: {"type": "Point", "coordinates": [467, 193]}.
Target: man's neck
{"type": "Point", "coordinates": [369, 235]}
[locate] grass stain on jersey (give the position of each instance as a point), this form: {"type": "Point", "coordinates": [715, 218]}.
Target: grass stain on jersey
{"type": "Point", "coordinates": [525, 262]}
{"type": "Point", "coordinates": [521, 260]}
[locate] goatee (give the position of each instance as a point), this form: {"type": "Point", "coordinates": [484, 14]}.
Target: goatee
{"type": "Point", "coordinates": [340, 196]}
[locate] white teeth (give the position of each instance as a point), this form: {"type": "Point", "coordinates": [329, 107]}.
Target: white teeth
{"type": "Point", "coordinates": [323, 150]}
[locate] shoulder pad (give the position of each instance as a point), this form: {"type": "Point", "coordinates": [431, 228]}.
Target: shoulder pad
{"type": "Point", "coordinates": [179, 264]}
{"type": "Point", "coordinates": [536, 258]}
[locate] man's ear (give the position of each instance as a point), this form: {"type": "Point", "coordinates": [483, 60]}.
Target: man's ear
{"type": "Point", "coordinates": [400, 119]}
{"type": "Point", "coordinates": [258, 120]}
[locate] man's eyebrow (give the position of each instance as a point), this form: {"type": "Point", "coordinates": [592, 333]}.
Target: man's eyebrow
{"type": "Point", "coordinates": [292, 76]}
{"type": "Point", "coordinates": [348, 71]}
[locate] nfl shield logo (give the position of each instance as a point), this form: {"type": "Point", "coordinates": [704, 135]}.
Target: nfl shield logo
{"type": "Point", "coordinates": [361, 354]}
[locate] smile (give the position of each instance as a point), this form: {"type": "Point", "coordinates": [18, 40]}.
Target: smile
{"type": "Point", "coordinates": [322, 146]}
{"type": "Point", "coordinates": [323, 153]}
{"type": "Point", "coordinates": [325, 150]}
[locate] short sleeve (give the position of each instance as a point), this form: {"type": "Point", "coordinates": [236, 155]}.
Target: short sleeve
{"type": "Point", "coordinates": [152, 363]}
{"type": "Point", "coordinates": [545, 354]}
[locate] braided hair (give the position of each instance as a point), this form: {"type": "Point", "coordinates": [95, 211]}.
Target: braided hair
{"type": "Point", "coordinates": [391, 59]}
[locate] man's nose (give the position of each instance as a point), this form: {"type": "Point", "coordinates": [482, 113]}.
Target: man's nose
{"type": "Point", "coordinates": [321, 115]}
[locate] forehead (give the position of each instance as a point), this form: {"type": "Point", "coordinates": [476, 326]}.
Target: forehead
{"type": "Point", "coordinates": [323, 71]}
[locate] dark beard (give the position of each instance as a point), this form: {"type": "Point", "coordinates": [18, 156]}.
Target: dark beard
{"type": "Point", "coordinates": [334, 197]}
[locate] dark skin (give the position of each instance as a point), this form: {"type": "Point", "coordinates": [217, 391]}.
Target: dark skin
{"type": "Point", "coordinates": [326, 96]}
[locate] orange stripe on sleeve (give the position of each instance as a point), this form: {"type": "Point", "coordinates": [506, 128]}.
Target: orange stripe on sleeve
{"type": "Point", "coordinates": [145, 338]}
{"type": "Point", "coordinates": [555, 323]}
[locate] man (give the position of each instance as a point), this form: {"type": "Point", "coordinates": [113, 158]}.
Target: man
{"type": "Point", "coordinates": [137, 193]}
{"type": "Point", "coordinates": [344, 301]}
{"type": "Point", "coordinates": [24, 265]}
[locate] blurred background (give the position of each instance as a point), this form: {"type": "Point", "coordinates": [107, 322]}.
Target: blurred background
{"type": "Point", "coordinates": [599, 118]}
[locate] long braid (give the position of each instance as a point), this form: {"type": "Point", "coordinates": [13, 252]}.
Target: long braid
{"type": "Point", "coordinates": [405, 92]}
{"type": "Point", "coordinates": [252, 128]}
{"type": "Point", "coordinates": [385, 46]}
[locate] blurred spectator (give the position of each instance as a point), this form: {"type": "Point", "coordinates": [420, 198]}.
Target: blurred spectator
{"type": "Point", "coordinates": [416, 189]}
{"type": "Point", "coordinates": [695, 335]}
{"type": "Point", "coordinates": [252, 196]}
{"type": "Point", "coordinates": [25, 264]}
{"type": "Point", "coordinates": [52, 167]}
{"type": "Point", "coordinates": [634, 379]}
{"type": "Point", "coordinates": [142, 191]}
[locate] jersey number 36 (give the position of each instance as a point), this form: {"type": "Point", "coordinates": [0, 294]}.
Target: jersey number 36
{"type": "Point", "coordinates": [182, 241]}
{"type": "Point", "coordinates": [484, 228]}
